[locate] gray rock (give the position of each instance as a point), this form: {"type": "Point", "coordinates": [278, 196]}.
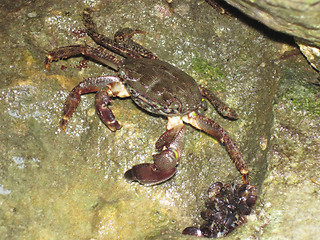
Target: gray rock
{"type": "Point", "coordinates": [70, 185]}
{"type": "Point", "coordinates": [297, 18]}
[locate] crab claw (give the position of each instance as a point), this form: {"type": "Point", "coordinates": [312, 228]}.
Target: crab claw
{"type": "Point", "coordinates": [147, 174]}
{"type": "Point", "coordinates": [169, 145]}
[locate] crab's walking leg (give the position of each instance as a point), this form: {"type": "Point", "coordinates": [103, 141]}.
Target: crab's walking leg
{"type": "Point", "coordinates": [170, 145]}
{"type": "Point", "coordinates": [214, 129]}
{"type": "Point", "coordinates": [220, 106]}
{"type": "Point", "coordinates": [106, 86]}
{"type": "Point", "coordinates": [122, 43]}
{"type": "Point", "coordinates": [123, 37]}
{"type": "Point", "coordinates": [76, 50]}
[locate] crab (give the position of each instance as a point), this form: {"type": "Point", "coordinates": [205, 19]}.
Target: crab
{"type": "Point", "coordinates": [155, 86]}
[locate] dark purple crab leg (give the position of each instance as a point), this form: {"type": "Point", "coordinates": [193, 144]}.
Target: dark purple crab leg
{"type": "Point", "coordinates": [102, 100]}
{"type": "Point", "coordinates": [170, 145]}
{"type": "Point", "coordinates": [214, 129]}
{"type": "Point", "coordinates": [106, 86]}
{"type": "Point", "coordinates": [122, 43]}
{"type": "Point", "coordinates": [76, 50]}
{"type": "Point", "coordinates": [220, 106]}
{"type": "Point", "coordinates": [123, 37]}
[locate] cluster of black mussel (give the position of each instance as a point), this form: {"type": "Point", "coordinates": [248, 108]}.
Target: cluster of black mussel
{"type": "Point", "coordinates": [226, 209]}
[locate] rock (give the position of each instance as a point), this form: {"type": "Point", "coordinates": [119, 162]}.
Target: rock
{"type": "Point", "coordinates": [312, 53]}
{"type": "Point", "coordinates": [297, 18]}
{"type": "Point", "coordinates": [70, 185]}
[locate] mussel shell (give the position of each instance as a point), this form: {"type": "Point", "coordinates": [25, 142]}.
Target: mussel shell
{"type": "Point", "coordinates": [193, 231]}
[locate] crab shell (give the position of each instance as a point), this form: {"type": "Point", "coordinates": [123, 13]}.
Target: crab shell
{"type": "Point", "coordinates": [160, 88]}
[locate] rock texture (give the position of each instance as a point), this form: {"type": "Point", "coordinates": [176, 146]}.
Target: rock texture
{"type": "Point", "coordinates": [300, 19]}
{"type": "Point", "coordinates": [70, 185]}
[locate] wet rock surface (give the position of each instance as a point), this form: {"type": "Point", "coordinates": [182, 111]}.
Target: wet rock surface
{"type": "Point", "coordinates": [70, 185]}
{"type": "Point", "coordinates": [296, 18]}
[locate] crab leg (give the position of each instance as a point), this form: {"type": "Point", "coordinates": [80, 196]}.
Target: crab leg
{"type": "Point", "coordinates": [170, 145]}
{"type": "Point", "coordinates": [76, 50]}
{"type": "Point", "coordinates": [214, 129]}
{"type": "Point", "coordinates": [106, 86]}
{"type": "Point", "coordinates": [220, 106]}
{"type": "Point", "coordinates": [122, 43]}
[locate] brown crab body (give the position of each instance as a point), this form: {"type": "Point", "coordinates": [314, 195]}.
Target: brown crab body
{"type": "Point", "coordinates": [159, 87]}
